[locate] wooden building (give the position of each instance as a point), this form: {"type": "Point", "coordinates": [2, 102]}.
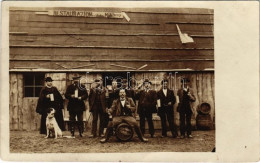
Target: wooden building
{"type": "Point", "coordinates": [135, 42]}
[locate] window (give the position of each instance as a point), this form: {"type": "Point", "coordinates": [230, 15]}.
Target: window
{"type": "Point", "coordinates": [33, 83]}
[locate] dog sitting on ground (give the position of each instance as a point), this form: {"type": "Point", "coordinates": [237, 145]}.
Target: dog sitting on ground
{"type": "Point", "coordinates": [52, 125]}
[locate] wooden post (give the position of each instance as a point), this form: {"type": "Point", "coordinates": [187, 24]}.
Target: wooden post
{"type": "Point", "coordinates": [20, 101]}
{"type": "Point", "coordinates": [14, 88]}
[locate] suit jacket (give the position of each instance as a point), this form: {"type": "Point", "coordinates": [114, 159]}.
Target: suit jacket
{"type": "Point", "coordinates": [182, 105]}
{"type": "Point", "coordinates": [166, 99]}
{"type": "Point", "coordinates": [117, 107]}
{"type": "Point", "coordinates": [44, 103]}
{"type": "Point", "coordinates": [147, 101]}
{"type": "Point", "coordinates": [92, 99]}
{"type": "Point", "coordinates": [74, 103]}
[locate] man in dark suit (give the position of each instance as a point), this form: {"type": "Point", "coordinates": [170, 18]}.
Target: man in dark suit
{"type": "Point", "coordinates": [166, 100]}
{"type": "Point", "coordinates": [98, 105]}
{"type": "Point", "coordinates": [123, 109]}
{"type": "Point", "coordinates": [186, 98]}
{"type": "Point", "coordinates": [76, 93]}
{"type": "Point", "coordinates": [147, 106]}
{"type": "Point", "coordinates": [50, 97]}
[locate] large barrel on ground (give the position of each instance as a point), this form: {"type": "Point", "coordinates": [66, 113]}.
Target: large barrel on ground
{"type": "Point", "coordinates": [204, 108]}
{"type": "Point", "coordinates": [124, 132]}
{"type": "Point", "coordinates": [204, 122]}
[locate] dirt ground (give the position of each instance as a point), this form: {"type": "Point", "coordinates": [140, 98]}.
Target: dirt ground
{"type": "Point", "coordinates": [33, 142]}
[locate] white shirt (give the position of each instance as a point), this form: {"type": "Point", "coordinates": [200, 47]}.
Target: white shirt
{"type": "Point", "coordinates": [165, 92]}
{"type": "Point", "coordinates": [123, 103]}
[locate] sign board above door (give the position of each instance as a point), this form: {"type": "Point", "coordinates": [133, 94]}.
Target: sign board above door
{"type": "Point", "coordinates": [74, 13]}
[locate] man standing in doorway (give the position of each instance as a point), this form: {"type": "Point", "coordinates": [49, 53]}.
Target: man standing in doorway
{"type": "Point", "coordinates": [186, 98]}
{"type": "Point", "coordinates": [76, 93]}
{"type": "Point", "coordinates": [147, 106]}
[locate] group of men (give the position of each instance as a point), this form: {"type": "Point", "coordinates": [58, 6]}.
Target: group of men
{"type": "Point", "coordinates": [120, 103]}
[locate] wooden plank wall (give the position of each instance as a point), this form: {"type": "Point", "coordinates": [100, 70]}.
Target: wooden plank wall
{"type": "Point", "coordinates": [22, 110]}
{"type": "Point", "coordinates": [22, 113]}
{"type": "Point", "coordinates": [41, 41]}
{"type": "Point", "coordinates": [201, 82]}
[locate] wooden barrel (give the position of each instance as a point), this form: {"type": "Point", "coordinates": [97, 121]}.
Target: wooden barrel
{"type": "Point", "coordinates": [204, 108]}
{"type": "Point", "coordinates": [124, 132]}
{"type": "Point", "coordinates": [204, 122]}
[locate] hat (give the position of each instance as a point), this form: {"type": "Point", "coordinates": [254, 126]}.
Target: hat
{"type": "Point", "coordinates": [186, 80]}
{"type": "Point", "coordinates": [48, 79]}
{"type": "Point", "coordinates": [76, 77]}
{"type": "Point", "coordinates": [124, 81]}
{"type": "Point", "coordinates": [164, 80]}
{"type": "Point", "coordinates": [147, 81]}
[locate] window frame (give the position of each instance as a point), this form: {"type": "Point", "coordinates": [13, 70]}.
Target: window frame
{"type": "Point", "coordinates": [33, 86]}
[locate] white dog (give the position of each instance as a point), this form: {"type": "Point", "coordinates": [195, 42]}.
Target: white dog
{"type": "Point", "coordinates": [52, 125]}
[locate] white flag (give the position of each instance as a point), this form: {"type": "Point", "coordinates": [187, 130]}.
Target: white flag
{"type": "Point", "coordinates": [184, 36]}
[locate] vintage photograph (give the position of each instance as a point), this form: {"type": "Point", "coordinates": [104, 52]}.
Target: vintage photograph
{"type": "Point", "coordinates": [111, 80]}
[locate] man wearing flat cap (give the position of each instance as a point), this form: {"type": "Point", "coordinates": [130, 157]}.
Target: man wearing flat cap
{"type": "Point", "coordinates": [147, 106]}
{"type": "Point", "coordinates": [76, 93]}
{"type": "Point", "coordinates": [165, 110]}
{"type": "Point", "coordinates": [186, 98]}
{"type": "Point", "coordinates": [98, 106]}
{"type": "Point", "coordinates": [50, 97]}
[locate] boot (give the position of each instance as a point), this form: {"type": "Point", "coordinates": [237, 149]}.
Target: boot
{"type": "Point", "coordinates": [72, 129]}
{"type": "Point", "coordinates": [107, 135]}
{"type": "Point", "coordinates": [140, 135]}
{"type": "Point", "coordinates": [80, 127]}
{"type": "Point", "coordinates": [72, 134]}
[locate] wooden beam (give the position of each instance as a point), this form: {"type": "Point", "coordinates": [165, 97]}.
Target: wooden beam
{"type": "Point", "coordinates": [123, 66]}
{"type": "Point", "coordinates": [18, 33]}
{"type": "Point", "coordinates": [99, 70]}
{"type": "Point", "coordinates": [103, 47]}
{"type": "Point", "coordinates": [83, 66]}
{"type": "Point", "coordinates": [142, 67]}
{"type": "Point", "coordinates": [107, 60]}
{"type": "Point", "coordinates": [61, 65]}
{"type": "Point", "coordinates": [106, 34]}
{"type": "Point", "coordinates": [203, 23]}
{"type": "Point", "coordinates": [78, 22]}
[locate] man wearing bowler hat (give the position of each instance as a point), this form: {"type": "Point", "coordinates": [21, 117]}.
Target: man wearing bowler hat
{"type": "Point", "coordinates": [186, 98]}
{"type": "Point", "coordinates": [76, 93]}
{"type": "Point", "coordinates": [147, 106]}
{"type": "Point", "coordinates": [50, 97]}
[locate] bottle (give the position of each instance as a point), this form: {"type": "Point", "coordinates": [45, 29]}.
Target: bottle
{"type": "Point", "coordinates": [110, 117]}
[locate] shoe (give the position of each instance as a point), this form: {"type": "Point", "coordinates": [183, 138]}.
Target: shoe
{"type": "Point", "coordinates": [92, 136]}
{"type": "Point", "coordinates": [163, 136]}
{"type": "Point", "coordinates": [174, 136]}
{"type": "Point", "coordinates": [80, 134]}
{"type": "Point", "coordinates": [72, 134]}
{"type": "Point", "coordinates": [182, 136]}
{"type": "Point", "coordinates": [153, 136]}
{"type": "Point", "coordinates": [103, 140]}
{"type": "Point", "coordinates": [189, 136]}
{"type": "Point", "coordinates": [102, 135]}
{"type": "Point", "coordinates": [145, 140]}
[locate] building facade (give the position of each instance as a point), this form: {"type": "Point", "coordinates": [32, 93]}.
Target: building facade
{"type": "Point", "coordinates": [134, 43]}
